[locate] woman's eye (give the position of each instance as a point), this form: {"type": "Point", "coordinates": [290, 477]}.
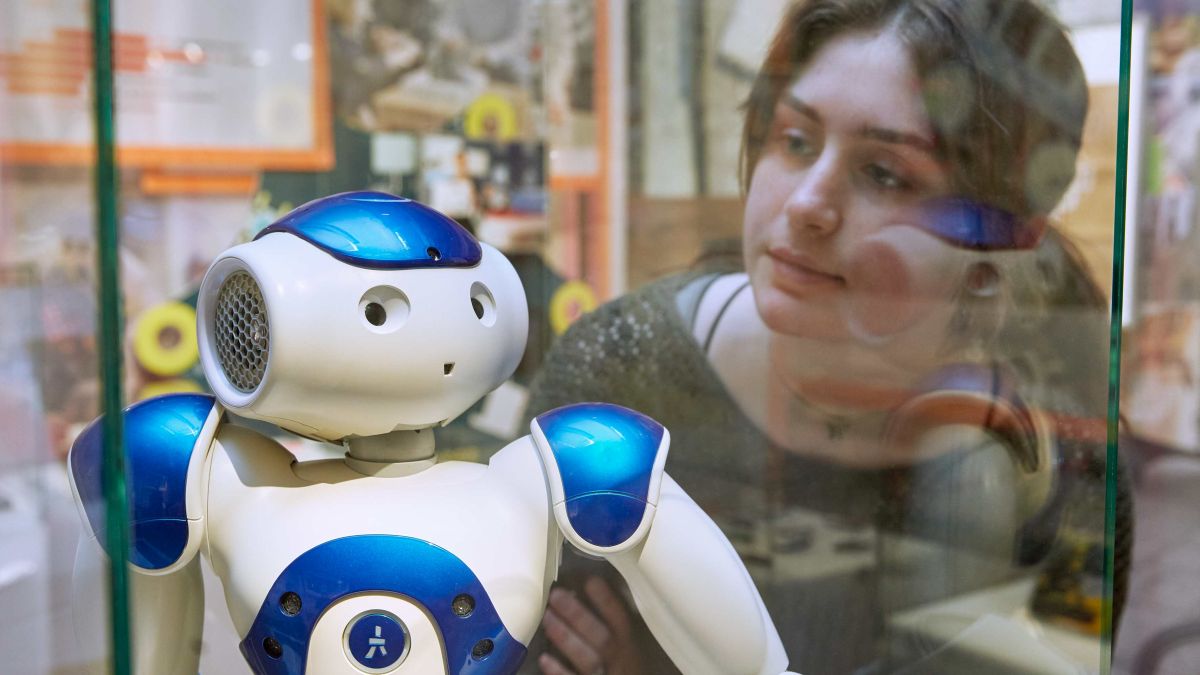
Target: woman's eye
{"type": "Point", "coordinates": [796, 143]}
{"type": "Point", "coordinates": [886, 178]}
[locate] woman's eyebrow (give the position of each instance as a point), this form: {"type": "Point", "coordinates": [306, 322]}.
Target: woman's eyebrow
{"type": "Point", "coordinates": [884, 134]}
{"type": "Point", "coordinates": [801, 107]}
{"type": "Point", "coordinates": [898, 137]}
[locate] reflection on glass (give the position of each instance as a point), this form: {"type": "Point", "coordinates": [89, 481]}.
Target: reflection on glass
{"type": "Point", "coordinates": [48, 362]}
{"type": "Point", "coordinates": [868, 241]}
{"type": "Point", "coordinates": [891, 392]}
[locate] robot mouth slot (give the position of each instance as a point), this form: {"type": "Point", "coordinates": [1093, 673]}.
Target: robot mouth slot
{"type": "Point", "coordinates": [447, 368]}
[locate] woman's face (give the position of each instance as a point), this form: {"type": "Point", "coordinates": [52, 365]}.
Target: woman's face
{"type": "Point", "coordinates": [831, 241]}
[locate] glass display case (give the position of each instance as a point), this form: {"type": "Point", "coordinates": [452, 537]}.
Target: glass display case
{"type": "Point", "coordinates": [868, 261]}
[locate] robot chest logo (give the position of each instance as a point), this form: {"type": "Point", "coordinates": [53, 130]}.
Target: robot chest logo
{"type": "Point", "coordinates": [376, 641]}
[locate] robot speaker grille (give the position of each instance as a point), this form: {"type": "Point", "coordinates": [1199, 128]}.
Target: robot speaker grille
{"type": "Point", "coordinates": [241, 332]}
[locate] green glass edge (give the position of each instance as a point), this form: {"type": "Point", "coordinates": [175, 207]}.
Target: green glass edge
{"type": "Point", "coordinates": [110, 344]}
{"type": "Point", "coordinates": [1111, 464]}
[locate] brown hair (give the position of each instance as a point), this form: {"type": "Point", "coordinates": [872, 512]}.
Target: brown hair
{"type": "Point", "coordinates": [1003, 88]}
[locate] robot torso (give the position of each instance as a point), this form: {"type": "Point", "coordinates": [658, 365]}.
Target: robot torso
{"type": "Point", "coordinates": [329, 571]}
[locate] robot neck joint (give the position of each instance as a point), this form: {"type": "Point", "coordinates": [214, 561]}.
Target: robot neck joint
{"type": "Point", "coordinates": [374, 453]}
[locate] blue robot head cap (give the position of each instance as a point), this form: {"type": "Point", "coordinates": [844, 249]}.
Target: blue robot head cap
{"type": "Point", "coordinates": [969, 224]}
{"type": "Point", "coordinates": [381, 231]}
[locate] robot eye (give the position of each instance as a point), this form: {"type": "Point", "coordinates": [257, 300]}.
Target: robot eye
{"type": "Point", "coordinates": [375, 314]}
{"type": "Point", "coordinates": [383, 309]}
{"type": "Point", "coordinates": [483, 304]}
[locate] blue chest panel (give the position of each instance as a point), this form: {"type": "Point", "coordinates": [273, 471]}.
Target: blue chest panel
{"type": "Point", "coordinates": [160, 437]}
{"type": "Point", "coordinates": [277, 642]}
{"type": "Point", "coordinates": [381, 231]}
{"type": "Point", "coordinates": [605, 456]}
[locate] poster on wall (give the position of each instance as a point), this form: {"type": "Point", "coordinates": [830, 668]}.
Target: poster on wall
{"type": "Point", "coordinates": [213, 83]}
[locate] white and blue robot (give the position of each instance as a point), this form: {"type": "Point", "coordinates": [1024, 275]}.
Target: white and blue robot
{"type": "Point", "coordinates": [369, 320]}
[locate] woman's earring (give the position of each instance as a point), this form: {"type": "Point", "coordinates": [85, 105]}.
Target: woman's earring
{"type": "Point", "coordinates": [983, 280]}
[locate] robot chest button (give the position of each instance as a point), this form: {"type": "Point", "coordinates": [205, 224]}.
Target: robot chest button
{"type": "Point", "coordinates": [376, 641]}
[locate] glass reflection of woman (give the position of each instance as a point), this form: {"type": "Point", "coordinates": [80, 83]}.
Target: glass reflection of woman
{"type": "Point", "coordinates": [874, 130]}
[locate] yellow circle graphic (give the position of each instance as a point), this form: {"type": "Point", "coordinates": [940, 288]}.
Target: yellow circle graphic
{"type": "Point", "coordinates": [165, 340]}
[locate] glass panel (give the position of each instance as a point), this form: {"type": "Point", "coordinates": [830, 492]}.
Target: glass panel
{"type": "Point", "coordinates": [52, 584]}
{"type": "Point", "coordinates": [867, 285]}
{"type": "Point", "coordinates": [1158, 395]}
{"type": "Point", "coordinates": [856, 255]}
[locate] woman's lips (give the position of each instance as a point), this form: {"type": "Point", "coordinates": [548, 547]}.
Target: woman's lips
{"type": "Point", "coordinates": [794, 273]}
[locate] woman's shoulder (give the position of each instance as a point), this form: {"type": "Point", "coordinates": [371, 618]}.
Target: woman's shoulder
{"type": "Point", "coordinates": [631, 350]}
{"type": "Point", "coordinates": [654, 305]}
{"type": "Point", "coordinates": [660, 318]}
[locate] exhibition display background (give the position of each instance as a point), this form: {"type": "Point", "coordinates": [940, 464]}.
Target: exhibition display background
{"type": "Point", "coordinates": [596, 143]}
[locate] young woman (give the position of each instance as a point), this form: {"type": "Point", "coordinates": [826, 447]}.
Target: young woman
{"type": "Point", "coordinates": [899, 159]}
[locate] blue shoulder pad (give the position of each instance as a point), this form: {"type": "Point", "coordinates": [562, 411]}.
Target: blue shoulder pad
{"type": "Point", "coordinates": [380, 231]}
{"type": "Point", "coordinates": [604, 464]}
{"type": "Point", "coordinates": [165, 439]}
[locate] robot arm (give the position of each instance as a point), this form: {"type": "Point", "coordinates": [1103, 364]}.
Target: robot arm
{"type": "Point", "coordinates": [693, 591]}
{"type": "Point", "coordinates": [167, 440]}
{"type": "Point", "coordinates": [604, 465]}
{"type": "Point", "coordinates": [170, 646]}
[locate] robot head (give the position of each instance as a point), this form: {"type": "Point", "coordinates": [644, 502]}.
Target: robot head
{"type": "Point", "coordinates": [357, 315]}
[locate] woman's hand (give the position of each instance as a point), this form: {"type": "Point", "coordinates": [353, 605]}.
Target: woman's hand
{"type": "Point", "coordinates": [593, 645]}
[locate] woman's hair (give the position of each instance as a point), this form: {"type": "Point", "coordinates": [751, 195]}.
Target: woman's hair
{"type": "Point", "coordinates": [1056, 337]}
{"type": "Point", "coordinates": [1003, 89]}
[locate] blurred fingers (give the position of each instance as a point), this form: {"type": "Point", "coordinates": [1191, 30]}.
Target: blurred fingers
{"type": "Point", "coordinates": [583, 657]}
{"type": "Point", "coordinates": [581, 618]}
{"type": "Point", "coordinates": [611, 607]}
{"type": "Point", "coordinates": [552, 666]}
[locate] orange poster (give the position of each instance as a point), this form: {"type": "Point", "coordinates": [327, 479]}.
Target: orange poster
{"type": "Point", "coordinates": [217, 83]}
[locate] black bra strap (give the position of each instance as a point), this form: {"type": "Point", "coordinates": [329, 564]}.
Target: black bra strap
{"type": "Point", "coordinates": [712, 329]}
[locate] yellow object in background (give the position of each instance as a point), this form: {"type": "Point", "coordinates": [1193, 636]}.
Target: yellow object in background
{"type": "Point", "coordinates": [164, 343]}
{"type": "Point", "coordinates": [571, 301]}
{"type": "Point", "coordinates": [490, 117]}
{"type": "Point", "coordinates": [175, 385]}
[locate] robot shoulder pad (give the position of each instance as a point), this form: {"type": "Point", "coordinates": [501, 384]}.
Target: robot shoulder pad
{"type": "Point", "coordinates": [604, 465]}
{"type": "Point", "coordinates": [166, 441]}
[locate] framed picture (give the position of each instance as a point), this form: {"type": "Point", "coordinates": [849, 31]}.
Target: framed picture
{"type": "Point", "coordinates": [221, 84]}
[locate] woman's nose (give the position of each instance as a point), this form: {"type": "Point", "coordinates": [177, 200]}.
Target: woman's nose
{"type": "Point", "coordinates": [814, 205]}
